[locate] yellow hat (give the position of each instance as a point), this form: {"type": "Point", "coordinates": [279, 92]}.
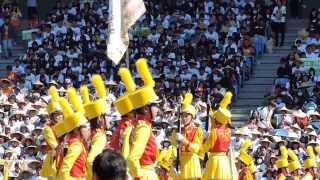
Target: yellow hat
{"type": "Point", "coordinates": [245, 158]}
{"type": "Point", "coordinates": [245, 146]}
{"type": "Point", "coordinates": [186, 105]}
{"type": "Point", "coordinates": [226, 100]}
{"type": "Point", "coordinates": [123, 103]}
{"type": "Point", "coordinates": [190, 110]}
{"type": "Point", "coordinates": [310, 162]}
{"type": "Point", "coordinates": [53, 105]}
{"type": "Point", "coordinates": [97, 107]}
{"type": "Point", "coordinates": [294, 164]}
{"type": "Point", "coordinates": [71, 119]}
{"type": "Point", "coordinates": [252, 168]}
{"type": "Point", "coordinates": [146, 94]}
{"type": "Point", "coordinates": [223, 116]}
{"type": "Point", "coordinates": [318, 149]}
{"type": "Point", "coordinates": [283, 161]}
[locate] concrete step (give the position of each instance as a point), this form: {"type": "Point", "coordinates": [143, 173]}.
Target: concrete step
{"type": "Point", "coordinates": [240, 110]}
{"type": "Point", "coordinates": [249, 102]}
{"type": "Point", "coordinates": [265, 80]}
{"type": "Point", "coordinates": [265, 72]}
{"type": "Point", "coordinates": [250, 95]}
{"type": "Point", "coordinates": [256, 88]}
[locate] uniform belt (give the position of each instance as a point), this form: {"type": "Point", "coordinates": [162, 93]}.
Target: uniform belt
{"type": "Point", "coordinates": [187, 153]}
{"type": "Point", "coordinates": [218, 153]}
{"type": "Point", "coordinates": [148, 167]}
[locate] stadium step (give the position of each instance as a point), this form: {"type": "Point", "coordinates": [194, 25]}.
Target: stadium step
{"type": "Point", "coordinates": [18, 50]}
{"type": "Point", "coordinates": [252, 94]}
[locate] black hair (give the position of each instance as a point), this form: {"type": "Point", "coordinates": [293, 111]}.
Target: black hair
{"type": "Point", "coordinates": [110, 165]}
{"type": "Point", "coordinates": [95, 123]}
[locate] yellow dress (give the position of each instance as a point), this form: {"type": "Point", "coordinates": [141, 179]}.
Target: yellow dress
{"type": "Point", "coordinates": [98, 144]}
{"type": "Point", "coordinates": [217, 144]}
{"type": "Point", "coordinates": [76, 155]}
{"type": "Point", "coordinates": [308, 176]}
{"type": "Point", "coordinates": [48, 168]}
{"type": "Point", "coordinates": [143, 149]}
{"type": "Point", "coordinates": [281, 177]}
{"type": "Point", "coordinates": [190, 167]}
{"type": "Point", "coordinates": [295, 178]}
{"type": "Point", "coordinates": [125, 137]}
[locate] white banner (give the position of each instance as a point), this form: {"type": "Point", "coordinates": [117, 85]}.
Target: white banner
{"type": "Point", "coordinates": [124, 13]}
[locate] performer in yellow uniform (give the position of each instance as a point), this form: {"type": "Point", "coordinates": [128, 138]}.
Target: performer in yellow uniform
{"type": "Point", "coordinates": [95, 113]}
{"type": "Point", "coordinates": [74, 162]}
{"type": "Point", "coordinates": [143, 149]}
{"type": "Point", "coordinates": [218, 142]}
{"type": "Point", "coordinates": [294, 165]}
{"type": "Point", "coordinates": [191, 140]}
{"type": "Point", "coordinates": [246, 162]}
{"type": "Point", "coordinates": [166, 162]}
{"type": "Point", "coordinates": [282, 164]}
{"type": "Point", "coordinates": [317, 149]}
{"type": "Point", "coordinates": [310, 165]}
{"type": "Point", "coordinates": [121, 136]}
{"type": "Point", "coordinates": [48, 169]}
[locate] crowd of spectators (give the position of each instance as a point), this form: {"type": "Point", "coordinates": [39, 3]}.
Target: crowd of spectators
{"type": "Point", "coordinates": [290, 116]}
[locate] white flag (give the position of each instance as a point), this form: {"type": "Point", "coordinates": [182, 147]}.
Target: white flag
{"type": "Point", "coordinates": [124, 13]}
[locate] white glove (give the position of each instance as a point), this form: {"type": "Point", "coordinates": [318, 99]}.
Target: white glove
{"type": "Point", "coordinates": [180, 137]}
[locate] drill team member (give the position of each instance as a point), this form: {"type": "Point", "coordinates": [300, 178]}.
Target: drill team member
{"type": "Point", "coordinates": [121, 136]}
{"type": "Point", "coordinates": [49, 167]}
{"type": "Point", "coordinates": [218, 143]}
{"type": "Point", "coordinates": [282, 164]}
{"type": "Point", "coordinates": [143, 149]}
{"type": "Point", "coordinates": [74, 162]}
{"type": "Point", "coordinates": [190, 139]}
{"type": "Point", "coordinates": [95, 113]}
{"type": "Point", "coordinates": [294, 165]}
{"type": "Point", "coordinates": [246, 161]}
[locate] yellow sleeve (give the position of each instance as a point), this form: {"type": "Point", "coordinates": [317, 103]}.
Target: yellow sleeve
{"type": "Point", "coordinates": [5, 172]}
{"type": "Point", "coordinates": [208, 143]}
{"type": "Point", "coordinates": [48, 168]}
{"type": "Point", "coordinates": [50, 137]}
{"type": "Point", "coordinates": [194, 146]}
{"type": "Point", "coordinates": [98, 144]}
{"type": "Point", "coordinates": [125, 149]}
{"type": "Point", "coordinates": [173, 139]}
{"type": "Point", "coordinates": [140, 140]}
{"type": "Point", "coordinates": [248, 176]}
{"type": "Point", "coordinates": [74, 151]}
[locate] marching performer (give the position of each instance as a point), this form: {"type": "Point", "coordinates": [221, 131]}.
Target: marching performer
{"type": "Point", "coordinates": [121, 136]}
{"type": "Point", "coordinates": [218, 143]}
{"type": "Point", "coordinates": [310, 165]}
{"type": "Point", "coordinates": [246, 161]}
{"type": "Point", "coordinates": [294, 165]}
{"type": "Point", "coordinates": [282, 164]}
{"type": "Point", "coordinates": [94, 112]}
{"type": "Point", "coordinates": [190, 139]}
{"type": "Point", "coordinates": [143, 149]}
{"type": "Point", "coordinates": [48, 169]}
{"type": "Point", "coordinates": [74, 162]}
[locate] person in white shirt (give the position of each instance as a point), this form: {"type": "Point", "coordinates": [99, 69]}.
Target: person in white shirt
{"type": "Point", "coordinates": [278, 19]}
{"type": "Point", "coordinates": [212, 35]}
